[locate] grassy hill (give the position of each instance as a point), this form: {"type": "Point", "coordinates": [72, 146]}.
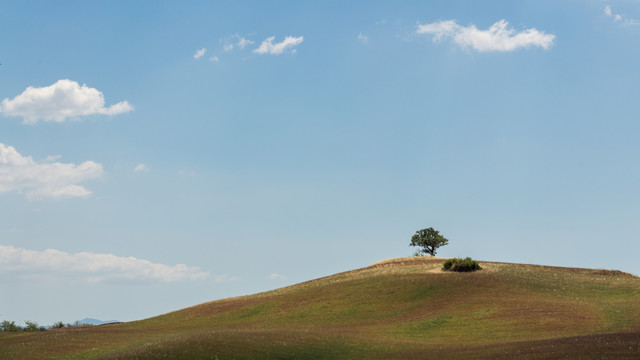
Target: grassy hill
{"type": "Point", "coordinates": [396, 309]}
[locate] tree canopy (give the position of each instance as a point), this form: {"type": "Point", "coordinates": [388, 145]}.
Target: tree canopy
{"type": "Point", "coordinates": [429, 239]}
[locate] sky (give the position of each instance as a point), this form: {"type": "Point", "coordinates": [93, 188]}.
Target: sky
{"type": "Point", "coordinates": [157, 155]}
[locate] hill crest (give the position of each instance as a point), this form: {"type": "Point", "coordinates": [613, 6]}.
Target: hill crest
{"type": "Point", "coordinates": [402, 308]}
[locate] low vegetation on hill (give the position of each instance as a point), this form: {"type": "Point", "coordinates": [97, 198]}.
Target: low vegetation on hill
{"type": "Point", "coordinates": [461, 265]}
{"type": "Point", "coordinates": [406, 308]}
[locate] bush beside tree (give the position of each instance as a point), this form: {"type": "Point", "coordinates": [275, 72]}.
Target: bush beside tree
{"type": "Point", "coordinates": [461, 265]}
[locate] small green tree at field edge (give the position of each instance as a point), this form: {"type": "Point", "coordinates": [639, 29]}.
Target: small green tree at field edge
{"type": "Point", "coordinates": [429, 239]}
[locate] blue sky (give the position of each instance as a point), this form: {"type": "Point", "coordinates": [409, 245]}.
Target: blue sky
{"type": "Point", "coordinates": [158, 155]}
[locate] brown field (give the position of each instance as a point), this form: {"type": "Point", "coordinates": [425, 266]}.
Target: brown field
{"type": "Point", "coordinates": [395, 309]}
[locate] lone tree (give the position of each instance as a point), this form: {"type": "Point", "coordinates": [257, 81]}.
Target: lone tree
{"type": "Point", "coordinates": [429, 239]}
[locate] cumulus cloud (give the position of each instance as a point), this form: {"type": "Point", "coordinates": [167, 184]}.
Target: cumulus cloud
{"type": "Point", "coordinates": [47, 180]}
{"type": "Point", "coordinates": [199, 53]}
{"type": "Point", "coordinates": [65, 99]}
{"type": "Point", "coordinates": [89, 267]}
{"type": "Point", "coordinates": [279, 277]}
{"type": "Point", "coordinates": [214, 59]}
{"type": "Point", "coordinates": [268, 47]}
{"type": "Point", "coordinates": [499, 37]}
{"type": "Point", "coordinates": [141, 168]}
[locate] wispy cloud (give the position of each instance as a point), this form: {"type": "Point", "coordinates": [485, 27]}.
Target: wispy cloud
{"type": "Point", "coordinates": [214, 59]}
{"type": "Point", "coordinates": [363, 38]}
{"type": "Point", "coordinates": [274, 276]}
{"type": "Point", "coordinates": [631, 22]}
{"type": "Point", "coordinates": [48, 180]}
{"type": "Point", "coordinates": [499, 37]}
{"type": "Point", "coordinates": [64, 100]}
{"type": "Point", "coordinates": [242, 42]}
{"type": "Point", "coordinates": [268, 47]}
{"type": "Point", "coordinates": [609, 12]}
{"type": "Point", "coordinates": [235, 41]}
{"type": "Point", "coordinates": [620, 18]}
{"type": "Point", "coordinates": [89, 267]}
{"type": "Point", "coordinates": [53, 157]}
{"type": "Point", "coordinates": [199, 53]}
{"type": "Point", "coordinates": [141, 168]}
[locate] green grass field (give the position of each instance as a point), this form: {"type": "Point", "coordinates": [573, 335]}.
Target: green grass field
{"type": "Point", "coordinates": [397, 309]}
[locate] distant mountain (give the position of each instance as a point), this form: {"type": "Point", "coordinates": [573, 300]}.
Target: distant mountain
{"type": "Point", "coordinates": [90, 321]}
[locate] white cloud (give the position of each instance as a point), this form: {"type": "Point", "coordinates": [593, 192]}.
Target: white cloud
{"type": "Point", "coordinates": [619, 18]}
{"type": "Point", "coordinates": [65, 99]}
{"type": "Point", "coordinates": [141, 168]}
{"type": "Point", "coordinates": [609, 13]}
{"type": "Point", "coordinates": [235, 41]}
{"type": "Point", "coordinates": [499, 37]}
{"type": "Point", "coordinates": [631, 22]}
{"type": "Point", "coordinates": [52, 158]}
{"type": "Point", "coordinates": [242, 42]}
{"type": "Point", "coordinates": [439, 29]}
{"type": "Point", "coordinates": [279, 277]}
{"type": "Point", "coordinates": [89, 267]}
{"type": "Point", "coordinates": [214, 59]}
{"type": "Point", "coordinates": [48, 180]}
{"type": "Point", "coordinates": [268, 47]}
{"type": "Point", "coordinates": [199, 53]}
{"type": "Point", "coordinates": [363, 38]}
{"type": "Point", "coordinates": [607, 10]}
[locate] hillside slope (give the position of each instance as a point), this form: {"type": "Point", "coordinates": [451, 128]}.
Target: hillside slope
{"type": "Point", "coordinates": [397, 309]}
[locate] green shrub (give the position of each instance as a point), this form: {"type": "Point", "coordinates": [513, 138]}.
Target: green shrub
{"type": "Point", "coordinates": [7, 325]}
{"type": "Point", "coordinates": [57, 325]}
{"type": "Point", "coordinates": [457, 264]}
{"type": "Point", "coordinates": [31, 325]}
